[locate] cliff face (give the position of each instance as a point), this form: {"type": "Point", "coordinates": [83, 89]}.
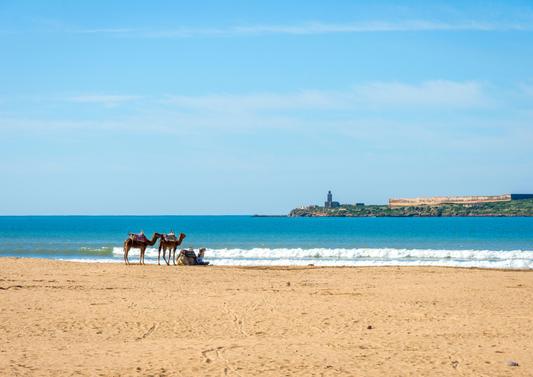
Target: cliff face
{"type": "Point", "coordinates": [503, 209]}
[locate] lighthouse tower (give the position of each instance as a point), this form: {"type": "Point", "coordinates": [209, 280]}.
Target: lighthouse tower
{"type": "Point", "coordinates": [329, 201]}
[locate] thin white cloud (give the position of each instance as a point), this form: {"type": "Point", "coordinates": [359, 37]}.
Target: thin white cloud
{"type": "Point", "coordinates": [107, 30]}
{"type": "Point", "coordinates": [377, 26]}
{"type": "Point", "coordinates": [259, 101]}
{"type": "Point", "coordinates": [311, 28]}
{"type": "Point", "coordinates": [439, 93]}
{"type": "Point", "coordinates": [435, 94]}
{"type": "Point", "coordinates": [527, 89]}
{"type": "Point", "coordinates": [106, 100]}
{"type": "Point", "coordinates": [299, 111]}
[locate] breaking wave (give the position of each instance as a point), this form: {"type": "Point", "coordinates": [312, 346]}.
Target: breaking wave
{"type": "Point", "coordinates": [505, 259]}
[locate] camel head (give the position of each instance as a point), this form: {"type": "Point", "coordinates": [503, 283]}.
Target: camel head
{"type": "Point", "coordinates": [154, 238]}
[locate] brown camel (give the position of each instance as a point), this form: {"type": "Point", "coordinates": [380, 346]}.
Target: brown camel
{"type": "Point", "coordinates": [170, 243]}
{"type": "Point", "coordinates": [141, 243]}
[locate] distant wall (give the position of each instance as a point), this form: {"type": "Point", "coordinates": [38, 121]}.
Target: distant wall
{"type": "Point", "coordinates": [437, 200]}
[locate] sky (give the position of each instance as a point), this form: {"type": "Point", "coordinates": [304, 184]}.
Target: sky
{"type": "Point", "coordinates": [245, 107]}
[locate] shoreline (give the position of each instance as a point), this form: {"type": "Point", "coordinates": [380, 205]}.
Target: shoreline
{"type": "Point", "coordinates": [511, 260]}
{"type": "Point", "coordinates": [151, 263]}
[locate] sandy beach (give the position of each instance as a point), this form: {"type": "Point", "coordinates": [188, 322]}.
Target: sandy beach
{"type": "Point", "coordinates": [63, 318]}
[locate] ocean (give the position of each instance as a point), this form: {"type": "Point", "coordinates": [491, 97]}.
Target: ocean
{"type": "Point", "coordinates": [486, 242]}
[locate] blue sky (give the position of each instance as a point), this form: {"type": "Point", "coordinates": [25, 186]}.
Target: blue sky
{"type": "Point", "coordinates": [241, 107]}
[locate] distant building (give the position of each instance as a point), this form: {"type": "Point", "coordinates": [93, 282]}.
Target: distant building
{"type": "Point", "coordinates": [330, 203]}
{"type": "Point", "coordinates": [465, 200]}
{"type": "Point", "coordinates": [521, 196]}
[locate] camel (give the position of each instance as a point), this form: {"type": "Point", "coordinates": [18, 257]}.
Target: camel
{"type": "Point", "coordinates": [187, 258]}
{"type": "Point", "coordinates": [133, 242]}
{"type": "Point", "coordinates": [171, 244]}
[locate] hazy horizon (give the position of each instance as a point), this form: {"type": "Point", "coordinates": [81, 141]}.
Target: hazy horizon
{"type": "Point", "coordinates": [162, 108]}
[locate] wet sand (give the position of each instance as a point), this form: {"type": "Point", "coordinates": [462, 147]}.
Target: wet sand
{"type": "Point", "coordinates": [63, 318]}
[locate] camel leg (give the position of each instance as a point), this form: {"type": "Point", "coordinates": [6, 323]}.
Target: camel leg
{"type": "Point", "coordinates": [168, 261]}
{"type": "Point", "coordinates": [159, 254]}
{"type": "Point", "coordinates": [126, 250]}
{"type": "Point", "coordinates": [141, 256]}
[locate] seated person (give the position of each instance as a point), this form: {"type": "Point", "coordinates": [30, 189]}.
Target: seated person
{"type": "Point", "coordinates": [200, 258]}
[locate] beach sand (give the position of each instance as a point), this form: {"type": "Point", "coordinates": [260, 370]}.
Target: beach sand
{"type": "Point", "coordinates": [63, 318]}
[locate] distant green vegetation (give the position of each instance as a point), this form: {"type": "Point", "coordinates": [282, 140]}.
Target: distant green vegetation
{"type": "Point", "coordinates": [511, 208]}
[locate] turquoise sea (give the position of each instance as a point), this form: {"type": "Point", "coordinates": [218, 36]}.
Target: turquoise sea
{"type": "Point", "coordinates": [245, 240]}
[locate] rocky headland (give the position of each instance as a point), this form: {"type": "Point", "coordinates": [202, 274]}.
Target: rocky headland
{"type": "Point", "coordinates": [499, 209]}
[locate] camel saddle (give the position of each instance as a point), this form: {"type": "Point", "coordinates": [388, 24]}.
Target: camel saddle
{"type": "Point", "coordinates": [138, 237]}
{"type": "Point", "coordinates": [170, 237]}
{"type": "Point", "coordinates": [189, 253]}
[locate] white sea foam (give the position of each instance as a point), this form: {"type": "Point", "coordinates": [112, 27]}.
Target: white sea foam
{"type": "Point", "coordinates": [507, 259]}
